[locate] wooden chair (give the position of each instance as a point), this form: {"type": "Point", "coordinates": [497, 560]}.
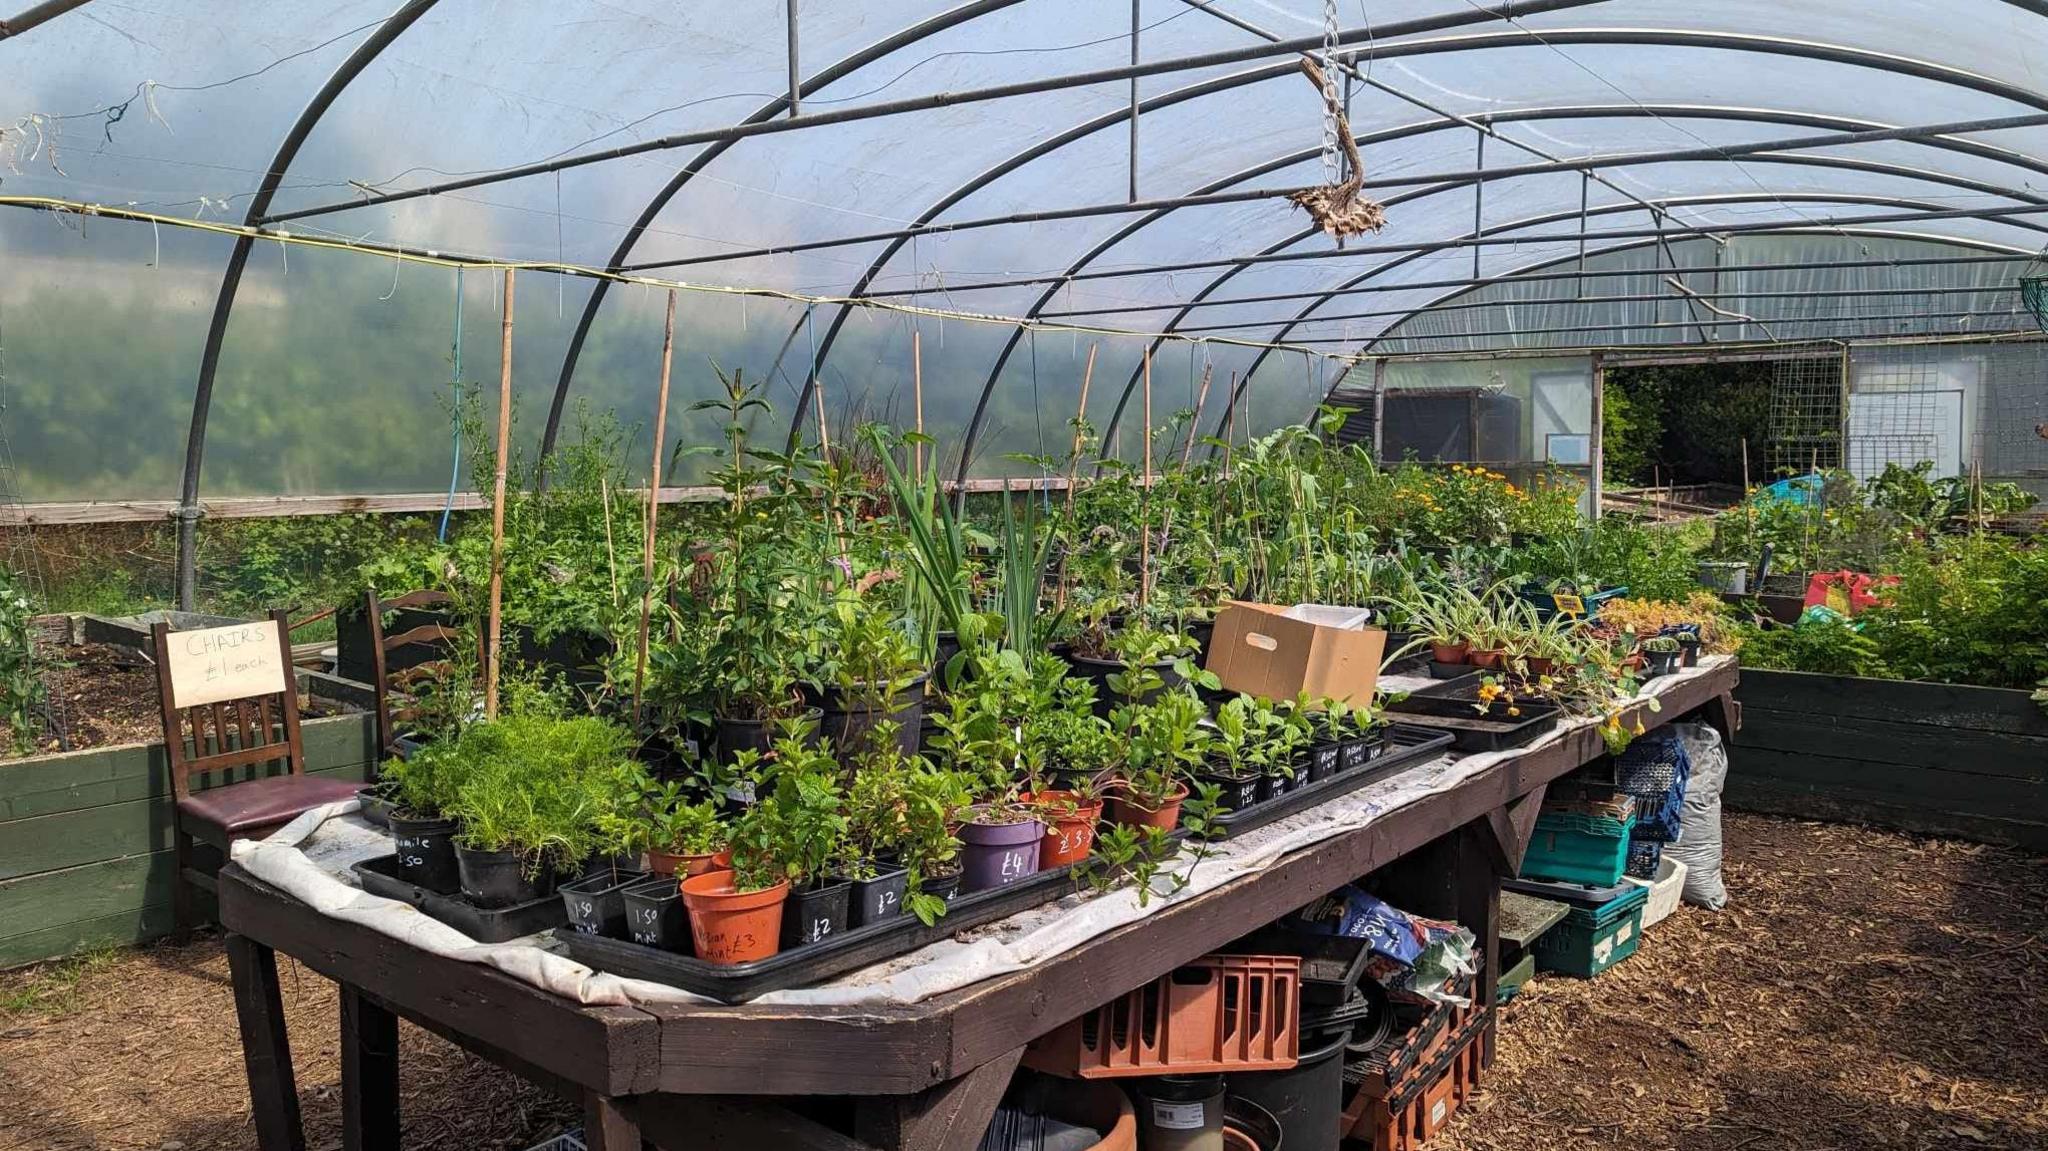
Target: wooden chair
{"type": "Point", "coordinates": [395, 669]}
{"type": "Point", "coordinates": [233, 735]}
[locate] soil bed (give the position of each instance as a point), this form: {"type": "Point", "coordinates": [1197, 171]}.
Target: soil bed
{"type": "Point", "coordinates": [101, 695]}
{"type": "Point", "coordinates": [1863, 990]}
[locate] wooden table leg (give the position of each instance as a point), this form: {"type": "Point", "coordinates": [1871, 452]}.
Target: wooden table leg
{"type": "Point", "coordinates": [1478, 896]}
{"type": "Point", "coordinates": [950, 1117]}
{"type": "Point", "coordinates": [267, 1052]}
{"type": "Point", "coordinates": [607, 1125]}
{"type": "Point", "coordinates": [369, 1074]}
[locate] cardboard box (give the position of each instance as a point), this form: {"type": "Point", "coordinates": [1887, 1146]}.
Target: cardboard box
{"type": "Point", "coordinates": [1279, 652]}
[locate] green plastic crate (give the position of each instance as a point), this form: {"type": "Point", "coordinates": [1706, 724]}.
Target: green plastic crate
{"type": "Point", "coordinates": [1594, 938]}
{"type": "Point", "coordinates": [1568, 847]}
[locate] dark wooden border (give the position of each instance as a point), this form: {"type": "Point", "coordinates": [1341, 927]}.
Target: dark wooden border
{"type": "Point", "coordinates": [1947, 759]}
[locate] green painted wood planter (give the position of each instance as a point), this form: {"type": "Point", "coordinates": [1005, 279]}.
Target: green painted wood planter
{"type": "Point", "coordinates": [1945, 759]}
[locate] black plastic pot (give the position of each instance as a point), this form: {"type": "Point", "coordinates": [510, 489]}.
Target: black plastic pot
{"type": "Point", "coordinates": [845, 722]}
{"type": "Point", "coordinates": [1307, 1101]}
{"type": "Point", "coordinates": [655, 915]}
{"type": "Point", "coordinates": [1662, 662]}
{"type": "Point", "coordinates": [876, 899]}
{"type": "Point", "coordinates": [815, 911]}
{"type": "Point", "coordinates": [736, 735]}
{"type": "Point", "coordinates": [1325, 760]}
{"type": "Point", "coordinates": [377, 805]}
{"type": "Point", "coordinates": [1363, 750]}
{"type": "Point", "coordinates": [426, 852]}
{"type": "Point", "coordinates": [1275, 784]}
{"type": "Point", "coordinates": [947, 647]}
{"type": "Point", "coordinates": [1098, 671]}
{"type": "Point", "coordinates": [499, 878]}
{"type": "Point", "coordinates": [943, 886]}
{"type": "Point", "coordinates": [1203, 633]}
{"type": "Point", "coordinates": [1239, 791]}
{"type": "Point", "coordinates": [600, 866]}
{"type": "Point", "coordinates": [1253, 1122]}
{"type": "Point", "coordinates": [597, 903]}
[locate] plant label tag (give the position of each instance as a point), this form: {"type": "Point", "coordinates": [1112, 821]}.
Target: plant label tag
{"type": "Point", "coordinates": [1176, 1116]}
{"type": "Point", "coordinates": [214, 664]}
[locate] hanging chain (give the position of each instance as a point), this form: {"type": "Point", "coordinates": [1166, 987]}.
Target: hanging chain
{"type": "Point", "coordinates": [1331, 162]}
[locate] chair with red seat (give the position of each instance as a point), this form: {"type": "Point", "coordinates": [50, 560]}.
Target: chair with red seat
{"type": "Point", "coordinates": [249, 736]}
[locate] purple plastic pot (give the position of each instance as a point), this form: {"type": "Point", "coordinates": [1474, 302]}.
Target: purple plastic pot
{"type": "Point", "coordinates": [998, 854]}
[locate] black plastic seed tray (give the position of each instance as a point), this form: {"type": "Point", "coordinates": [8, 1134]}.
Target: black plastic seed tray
{"type": "Point", "coordinates": [379, 876]}
{"type": "Point", "coordinates": [1405, 746]}
{"type": "Point", "coordinates": [812, 963]}
{"type": "Point", "coordinates": [1472, 731]}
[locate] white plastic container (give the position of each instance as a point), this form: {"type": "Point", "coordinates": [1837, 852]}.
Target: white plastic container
{"type": "Point", "coordinates": [1664, 890]}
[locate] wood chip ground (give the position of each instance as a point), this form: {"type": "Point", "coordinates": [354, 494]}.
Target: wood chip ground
{"type": "Point", "coordinates": [1863, 990]}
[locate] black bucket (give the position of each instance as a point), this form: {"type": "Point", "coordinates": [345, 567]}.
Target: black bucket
{"type": "Point", "coordinates": [426, 853]}
{"type": "Point", "coordinates": [846, 722]}
{"type": "Point", "coordinates": [1308, 1100]}
{"type": "Point", "coordinates": [736, 735]}
{"type": "Point", "coordinates": [495, 879]}
{"type": "Point", "coordinates": [1254, 1123]}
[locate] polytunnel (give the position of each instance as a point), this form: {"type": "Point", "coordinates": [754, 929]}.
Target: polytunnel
{"type": "Point", "coordinates": [267, 235]}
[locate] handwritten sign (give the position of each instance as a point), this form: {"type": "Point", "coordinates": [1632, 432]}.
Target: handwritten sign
{"type": "Point", "coordinates": [220, 663]}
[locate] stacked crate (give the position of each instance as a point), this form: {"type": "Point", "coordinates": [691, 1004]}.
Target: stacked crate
{"type": "Point", "coordinates": [1407, 1090]}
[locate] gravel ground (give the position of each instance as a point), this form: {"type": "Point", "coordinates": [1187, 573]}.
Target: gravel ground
{"type": "Point", "coordinates": [1863, 990]}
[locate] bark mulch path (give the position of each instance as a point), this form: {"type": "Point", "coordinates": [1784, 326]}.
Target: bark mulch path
{"type": "Point", "coordinates": [1863, 990]}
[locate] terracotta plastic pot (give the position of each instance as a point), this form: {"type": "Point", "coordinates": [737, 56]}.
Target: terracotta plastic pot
{"type": "Point", "coordinates": [672, 863]}
{"type": "Point", "coordinates": [1449, 652]}
{"type": "Point", "coordinates": [998, 854]}
{"type": "Point", "coordinates": [1487, 658]}
{"type": "Point", "coordinates": [729, 926]}
{"type": "Point", "coordinates": [1538, 666]}
{"type": "Point", "coordinates": [1127, 812]}
{"type": "Point", "coordinates": [1068, 837]}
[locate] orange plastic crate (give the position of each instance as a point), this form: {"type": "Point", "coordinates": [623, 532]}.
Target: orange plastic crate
{"type": "Point", "coordinates": [1414, 1113]}
{"type": "Point", "coordinates": [1219, 1013]}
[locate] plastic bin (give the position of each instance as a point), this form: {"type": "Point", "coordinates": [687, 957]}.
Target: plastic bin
{"type": "Point", "coordinates": [1594, 937]}
{"type": "Point", "coordinates": [1665, 891]}
{"type": "Point", "coordinates": [1568, 847]}
{"type": "Point", "coordinates": [1415, 1112]}
{"type": "Point", "coordinates": [1219, 1013]}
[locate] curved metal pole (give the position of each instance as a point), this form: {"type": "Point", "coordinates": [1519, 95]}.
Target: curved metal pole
{"type": "Point", "coordinates": [1759, 197]}
{"type": "Point", "coordinates": [1305, 154]}
{"type": "Point", "coordinates": [2017, 254]}
{"type": "Point", "coordinates": [831, 73]}
{"type": "Point", "coordinates": [238, 259]}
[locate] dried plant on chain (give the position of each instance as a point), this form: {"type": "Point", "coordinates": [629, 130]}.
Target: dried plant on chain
{"type": "Point", "coordinates": [1338, 209]}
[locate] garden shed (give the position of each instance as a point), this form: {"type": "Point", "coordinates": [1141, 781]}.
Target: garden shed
{"type": "Point", "coordinates": [635, 539]}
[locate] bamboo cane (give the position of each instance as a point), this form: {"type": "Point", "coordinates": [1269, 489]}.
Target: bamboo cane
{"type": "Point", "coordinates": [1145, 500]}
{"type": "Point", "coordinates": [491, 657]}
{"type": "Point", "coordinates": [917, 399]}
{"type": "Point", "coordinates": [1074, 468]}
{"type": "Point", "coordinates": [668, 344]}
{"type": "Point", "coordinates": [1195, 421]}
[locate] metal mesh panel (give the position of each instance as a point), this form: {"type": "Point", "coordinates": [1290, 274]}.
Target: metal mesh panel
{"type": "Point", "coordinates": [1806, 414]}
{"type": "Point", "coordinates": [1971, 407]}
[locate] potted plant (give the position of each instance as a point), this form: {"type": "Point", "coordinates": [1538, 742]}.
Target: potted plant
{"type": "Point", "coordinates": [1136, 663]}
{"type": "Point", "coordinates": [1367, 737]}
{"type": "Point", "coordinates": [878, 807]}
{"type": "Point", "coordinates": [929, 848]}
{"type": "Point", "coordinates": [873, 671]}
{"type": "Point", "coordinates": [525, 807]}
{"type": "Point", "coordinates": [736, 916]}
{"type": "Point", "coordinates": [685, 837]}
{"type": "Point", "coordinates": [620, 836]}
{"type": "Point", "coordinates": [1332, 731]}
{"type": "Point", "coordinates": [1230, 766]}
{"type": "Point", "coordinates": [981, 736]}
{"type": "Point", "coordinates": [1662, 653]}
{"type": "Point", "coordinates": [424, 789]}
{"type": "Point", "coordinates": [1689, 647]}
{"type": "Point", "coordinates": [1164, 741]}
{"type": "Point", "coordinates": [802, 821]}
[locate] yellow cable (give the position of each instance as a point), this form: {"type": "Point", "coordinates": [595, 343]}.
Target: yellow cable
{"type": "Point", "coordinates": [433, 258]}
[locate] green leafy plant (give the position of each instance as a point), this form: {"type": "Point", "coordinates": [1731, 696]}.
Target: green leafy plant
{"type": "Point", "coordinates": [21, 679]}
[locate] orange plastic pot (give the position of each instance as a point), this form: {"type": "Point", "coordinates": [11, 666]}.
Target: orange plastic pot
{"type": "Point", "coordinates": [1069, 827]}
{"type": "Point", "coordinates": [1449, 652]}
{"type": "Point", "coordinates": [1127, 812]}
{"type": "Point", "coordinates": [1488, 657]}
{"type": "Point", "coordinates": [672, 863]}
{"type": "Point", "coordinates": [731, 926]}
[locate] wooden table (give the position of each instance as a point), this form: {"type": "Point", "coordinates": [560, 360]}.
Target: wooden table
{"type": "Point", "coordinates": [923, 1078]}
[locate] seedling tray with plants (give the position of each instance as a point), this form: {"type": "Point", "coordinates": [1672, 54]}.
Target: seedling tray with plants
{"type": "Point", "coordinates": [1472, 731]}
{"type": "Point", "coordinates": [379, 876]}
{"type": "Point", "coordinates": [1404, 746]}
{"type": "Point", "coordinates": [811, 963]}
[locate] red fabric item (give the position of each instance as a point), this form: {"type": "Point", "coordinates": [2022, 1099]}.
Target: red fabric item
{"type": "Point", "coordinates": [1844, 591]}
{"type": "Point", "coordinates": [238, 808]}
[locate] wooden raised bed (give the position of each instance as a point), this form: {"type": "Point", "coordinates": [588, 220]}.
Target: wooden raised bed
{"type": "Point", "coordinates": [85, 839]}
{"type": "Point", "coordinates": [1947, 759]}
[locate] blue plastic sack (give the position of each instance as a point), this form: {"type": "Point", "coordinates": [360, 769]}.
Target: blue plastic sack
{"type": "Point", "coordinates": [1353, 914]}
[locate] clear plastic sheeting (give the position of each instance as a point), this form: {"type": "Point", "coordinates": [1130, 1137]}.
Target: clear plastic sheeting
{"type": "Point", "coordinates": [1022, 166]}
